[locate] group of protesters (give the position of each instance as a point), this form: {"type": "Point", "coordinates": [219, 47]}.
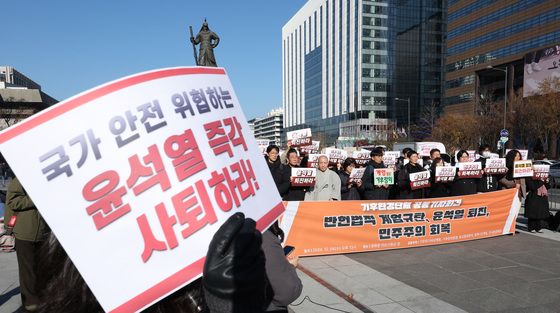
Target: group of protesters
{"type": "Point", "coordinates": [334, 183]}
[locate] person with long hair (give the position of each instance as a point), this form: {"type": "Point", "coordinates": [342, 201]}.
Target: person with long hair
{"type": "Point", "coordinates": [508, 181]}
{"type": "Point", "coordinates": [536, 203]}
{"type": "Point", "coordinates": [411, 167]}
{"type": "Point", "coordinates": [349, 190]}
{"type": "Point", "coordinates": [437, 189]}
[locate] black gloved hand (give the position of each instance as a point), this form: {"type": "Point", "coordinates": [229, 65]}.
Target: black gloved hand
{"type": "Point", "coordinates": [234, 270]}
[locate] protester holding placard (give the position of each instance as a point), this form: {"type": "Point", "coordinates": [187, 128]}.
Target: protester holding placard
{"type": "Point", "coordinates": [349, 190]}
{"type": "Point", "coordinates": [404, 182]}
{"type": "Point", "coordinates": [536, 203]}
{"type": "Point", "coordinates": [279, 174]}
{"type": "Point", "coordinates": [327, 186]}
{"type": "Point", "coordinates": [509, 181]}
{"type": "Point", "coordinates": [371, 190]}
{"type": "Point", "coordinates": [438, 189]}
{"type": "Point", "coordinates": [295, 193]}
{"type": "Point", "coordinates": [434, 153]}
{"type": "Point", "coordinates": [463, 185]}
{"type": "Point", "coordinates": [30, 231]}
{"type": "Point", "coordinates": [489, 180]}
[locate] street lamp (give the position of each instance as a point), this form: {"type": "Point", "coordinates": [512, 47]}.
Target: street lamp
{"type": "Point", "coordinates": [490, 67]}
{"type": "Point", "coordinates": [408, 130]}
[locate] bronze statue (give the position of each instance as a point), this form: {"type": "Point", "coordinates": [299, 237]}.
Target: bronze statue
{"type": "Point", "coordinates": [208, 40]}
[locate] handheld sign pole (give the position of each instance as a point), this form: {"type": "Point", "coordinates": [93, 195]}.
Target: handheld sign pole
{"type": "Point", "coordinates": [193, 46]}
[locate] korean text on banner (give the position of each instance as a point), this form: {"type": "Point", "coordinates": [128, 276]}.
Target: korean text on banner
{"type": "Point", "coordinates": [362, 157]}
{"type": "Point", "coordinates": [469, 170]}
{"type": "Point", "coordinates": [445, 174]}
{"type": "Point", "coordinates": [336, 155]}
{"type": "Point", "coordinates": [356, 174]}
{"type": "Point", "coordinates": [495, 166]}
{"type": "Point", "coordinates": [383, 176]}
{"type": "Point", "coordinates": [263, 144]}
{"type": "Point", "coordinates": [419, 180]}
{"type": "Point", "coordinates": [303, 176]}
{"type": "Point", "coordinates": [146, 169]}
{"type": "Point", "coordinates": [523, 168]}
{"type": "Point", "coordinates": [541, 171]}
{"type": "Point", "coordinates": [313, 148]}
{"type": "Point", "coordinates": [390, 158]}
{"type": "Point", "coordinates": [321, 228]}
{"type": "Point", "coordinates": [301, 137]}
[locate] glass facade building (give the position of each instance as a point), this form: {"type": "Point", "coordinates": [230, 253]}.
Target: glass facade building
{"type": "Point", "coordinates": [495, 33]}
{"type": "Point", "coordinates": [347, 60]}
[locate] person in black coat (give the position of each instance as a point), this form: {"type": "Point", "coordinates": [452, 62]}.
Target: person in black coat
{"type": "Point", "coordinates": [463, 186]}
{"type": "Point", "coordinates": [488, 182]}
{"type": "Point", "coordinates": [349, 190]}
{"type": "Point", "coordinates": [536, 204]}
{"type": "Point", "coordinates": [295, 193]}
{"type": "Point", "coordinates": [437, 189]}
{"type": "Point", "coordinates": [404, 178]}
{"type": "Point", "coordinates": [371, 191]}
{"type": "Point", "coordinates": [279, 174]}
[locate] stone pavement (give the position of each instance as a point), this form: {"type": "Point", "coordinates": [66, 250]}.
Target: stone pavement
{"type": "Point", "coordinates": [518, 273]}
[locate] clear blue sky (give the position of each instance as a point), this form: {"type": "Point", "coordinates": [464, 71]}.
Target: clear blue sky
{"type": "Point", "coordinates": [69, 46]}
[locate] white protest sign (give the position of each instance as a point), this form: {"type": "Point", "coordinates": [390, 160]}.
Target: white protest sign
{"type": "Point", "coordinates": [469, 170]}
{"type": "Point", "coordinates": [303, 176]}
{"type": "Point", "coordinates": [445, 173]}
{"type": "Point", "coordinates": [541, 171]}
{"type": "Point", "coordinates": [313, 159]}
{"type": "Point", "coordinates": [424, 148]}
{"type": "Point", "coordinates": [524, 153]}
{"type": "Point", "coordinates": [495, 166]}
{"type": "Point", "coordinates": [300, 137]}
{"type": "Point", "coordinates": [383, 176]}
{"type": "Point", "coordinates": [356, 174]}
{"type": "Point", "coordinates": [263, 144]}
{"type": "Point", "coordinates": [419, 180]}
{"type": "Point", "coordinates": [135, 176]}
{"type": "Point", "coordinates": [390, 158]}
{"type": "Point", "coordinates": [523, 168]}
{"type": "Point", "coordinates": [362, 157]}
{"type": "Point", "coordinates": [313, 148]}
{"type": "Point", "coordinates": [336, 155]}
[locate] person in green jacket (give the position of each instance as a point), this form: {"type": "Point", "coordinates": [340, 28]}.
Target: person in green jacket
{"type": "Point", "coordinates": [30, 231]}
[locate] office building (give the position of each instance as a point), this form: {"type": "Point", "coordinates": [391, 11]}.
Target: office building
{"type": "Point", "coordinates": [361, 62]}
{"type": "Point", "coordinates": [483, 34]}
{"type": "Point", "coordinates": [270, 127]}
{"type": "Point", "coordinates": [20, 97]}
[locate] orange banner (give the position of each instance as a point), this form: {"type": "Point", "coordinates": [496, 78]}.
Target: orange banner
{"type": "Point", "coordinates": [336, 227]}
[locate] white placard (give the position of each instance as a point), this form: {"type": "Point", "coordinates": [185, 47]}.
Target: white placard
{"type": "Point", "coordinates": [362, 157]}
{"type": "Point", "coordinates": [311, 149]}
{"type": "Point", "coordinates": [130, 176]}
{"type": "Point", "coordinates": [445, 173]}
{"type": "Point", "coordinates": [336, 155]}
{"type": "Point", "coordinates": [390, 158]}
{"type": "Point", "coordinates": [263, 144]}
{"type": "Point", "coordinates": [300, 137]}
{"type": "Point", "coordinates": [541, 171]}
{"type": "Point", "coordinates": [495, 166]}
{"type": "Point", "coordinates": [424, 148]}
{"type": "Point", "coordinates": [523, 168]}
{"type": "Point", "coordinates": [469, 169]}
{"type": "Point", "coordinates": [419, 180]}
{"type": "Point", "coordinates": [303, 176]}
{"type": "Point", "coordinates": [356, 174]}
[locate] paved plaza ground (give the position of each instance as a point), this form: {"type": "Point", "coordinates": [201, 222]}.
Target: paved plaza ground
{"type": "Point", "coordinates": [518, 273]}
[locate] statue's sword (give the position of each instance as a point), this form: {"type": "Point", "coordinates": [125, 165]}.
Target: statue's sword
{"type": "Point", "coordinates": [193, 47]}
